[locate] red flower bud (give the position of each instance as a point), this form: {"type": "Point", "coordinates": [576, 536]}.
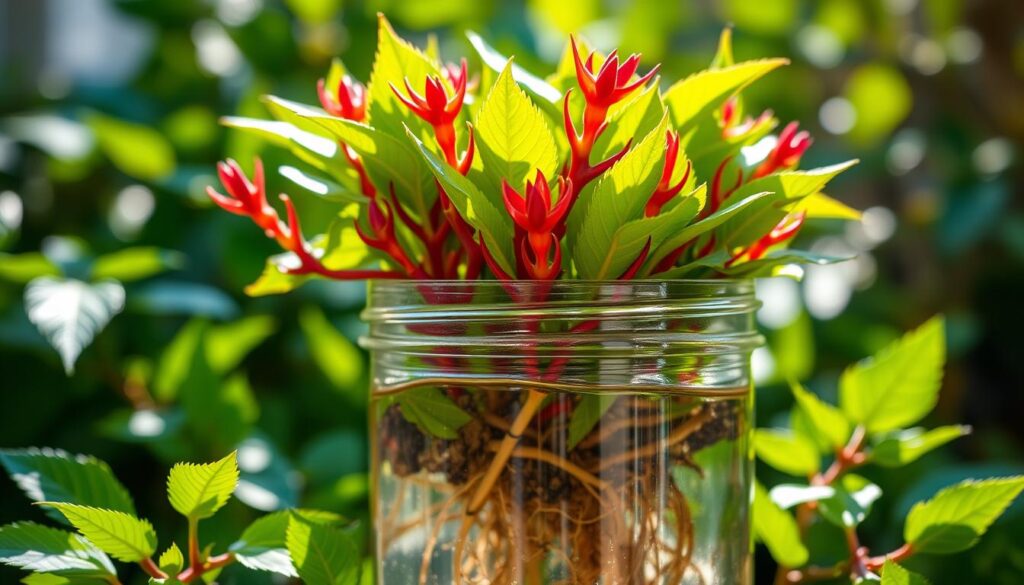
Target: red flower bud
{"type": "Point", "coordinates": [347, 101]}
{"type": "Point", "coordinates": [786, 154]}
{"type": "Point", "coordinates": [611, 82]}
{"type": "Point", "coordinates": [246, 197]}
{"type": "Point", "coordinates": [783, 231]}
{"type": "Point", "coordinates": [665, 191]}
{"type": "Point", "coordinates": [533, 212]}
{"type": "Point", "coordinates": [435, 106]}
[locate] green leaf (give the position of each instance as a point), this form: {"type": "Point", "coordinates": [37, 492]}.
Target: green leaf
{"type": "Point", "coordinates": [893, 574]}
{"type": "Point", "coordinates": [957, 516]}
{"type": "Point", "coordinates": [338, 358]}
{"type": "Point", "coordinates": [821, 206]}
{"type": "Point", "coordinates": [52, 475]}
{"type": "Point", "coordinates": [900, 384]}
{"type": "Point", "coordinates": [637, 117]}
{"type": "Point", "coordinates": [136, 263]}
{"type": "Point", "coordinates": [323, 188]}
{"type": "Point", "coordinates": [323, 555]}
{"type": "Point", "coordinates": [777, 529]}
{"type": "Point", "coordinates": [902, 447]}
{"type": "Point", "coordinates": [172, 561]}
{"type": "Point", "coordinates": [262, 546]}
{"type": "Point", "coordinates": [275, 281]}
{"type": "Point", "coordinates": [38, 548]}
{"type": "Point", "coordinates": [828, 422]}
{"type": "Point", "coordinates": [702, 92]}
{"type": "Point", "coordinates": [585, 416]}
{"type": "Point", "coordinates": [69, 313]}
{"type": "Point", "coordinates": [877, 118]}
{"type": "Point", "coordinates": [395, 61]}
{"type": "Point", "coordinates": [786, 451]}
{"type": "Point", "coordinates": [221, 411]}
{"type": "Point", "coordinates": [513, 137]}
{"type": "Point", "coordinates": [197, 491]}
{"type": "Point", "coordinates": [173, 367]}
{"type": "Point", "coordinates": [619, 197]}
{"type": "Point", "coordinates": [729, 210]}
{"type": "Point", "coordinates": [139, 151]}
{"type": "Point", "coordinates": [122, 536]}
{"type": "Point", "coordinates": [490, 57]}
{"type": "Point", "coordinates": [228, 344]}
{"type": "Point", "coordinates": [51, 579]}
{"type": "Point", "coordinates": [433, 412]}
{"type": "Point", "coordinates": [22, 268]}
{"type": "Point", "coordinates": [787, 495]}
{"type": "Point", "coordinates": [851, 503]}
{"type": "Point", "coordinates": [476, 208]}
{"type": "Point", "coordinates": [310, 147]}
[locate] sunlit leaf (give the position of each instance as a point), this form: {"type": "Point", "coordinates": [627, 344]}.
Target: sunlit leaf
{"type": "Point", "coordinates": [777, 529]}
{"type": "Point", "coordinates": [900, 384]}
{"type": "Point", "coordinates": [828, 422]}
{"type": "Point", "coordinates": [139, 151]}
{"type": "Point", "coordinates": [881, 98]}
{"type": "Point", "coordinates": [902, 447]}
{"type": "Point", "coordinates": [338, 358]}
{"type": "Point", "coordinates": [136, 263]}
{"type": "Point", "coordinates": [852, 501]}
{"type": "Point", "coordinates": [262, 545]}
{"type": "Point", "coordinates": [786, 451]}
{"type": "Point", "coordinates": [38, 548]}
{"type": "Point", "coordinates": [171, 561]}
{"type": "Point", "coordinates": [22, 268]}
{"type": "Point", "coordinates": [197, 491]}
{"type": "Point", "coordinates": [121, 535]}
{"type": "Point", "coordinates": [893, 574]}
{"type": "Point", "coordinates": [958, 516]}
{"type": "Point", "coordinates": [69, 313]}
{"type": "Point", "coordinates": [323, 555]}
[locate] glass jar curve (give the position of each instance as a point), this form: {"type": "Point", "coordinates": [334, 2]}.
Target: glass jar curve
{"type": "Point", "coordinates": [561, 432]}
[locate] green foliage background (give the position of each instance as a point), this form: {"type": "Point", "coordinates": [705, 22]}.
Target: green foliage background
{"type": "Point", "coordinates": [99, 158]}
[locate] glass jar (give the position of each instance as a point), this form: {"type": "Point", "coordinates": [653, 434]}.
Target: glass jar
{"type": "Point", "coordinates": [562, 432]}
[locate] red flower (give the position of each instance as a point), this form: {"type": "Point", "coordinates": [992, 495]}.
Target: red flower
{"type": "Point", "coordinates": [611, 82]}
{"type": "Point", "coordinates": [665, 191]}
{"type": "Point", "coordinates": [539, 220]}
{"type": "Point", "coordinates": [731, 125]}
{"type": "Point", "coordinates": [783, 231]}
{"type": "Point", "coordinates": [786, 154]}
{"type": "Point", "coordinates": [435, 106]}
{"type": "Point", "coordinates": [348, 100]}
{"type": "Point", "coordinates": [246, 197]}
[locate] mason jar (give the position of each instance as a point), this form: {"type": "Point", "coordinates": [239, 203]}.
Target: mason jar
{"type": "Point", "coordinates": [565, 432]}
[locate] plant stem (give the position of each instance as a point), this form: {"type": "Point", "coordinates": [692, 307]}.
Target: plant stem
{"type": "Point", "coordinates": [194, 558]}
{"type": "Point", "coordinates": [151, 569]}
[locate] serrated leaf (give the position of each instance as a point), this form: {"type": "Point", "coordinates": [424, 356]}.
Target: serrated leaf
{"type": "Point", "coordinates": [434, 413]}
{"type": "Point", "coordinates": [475, 207]}
{"type": "Point", "coordinates": [637, 117]}
{"type": "Point", "coordinates": [262, 546]}
{"type": "Point", "coordinates": [52, 475]}
{"type": "Point", "coordinates": [69, 313]}
{"type": "Point", "coordinates": [902, 447]}
{"type": "Point", "coordinates": [197, 491]}
{"type": "Point", "coordinates": [38, 548]}
{"type": "Point", "coordinates": [893, 574]}
{"type": "Point", "coordinates": [585, 416]}
{"type": "Point", "coordinates": [958, 516]}
{"type": "Point", "coordinates": [899, 385]}
{"type": "Point", "coordinates": [322, 554]}
{"type": "Point", "coordinates": [851, 503]}
{"type": "Point", "coordinates": [787, 495]}
{"type": "Point", "coordinates": [619, 197]}
{"type": "Point", "coordinates": [786, 451]}
{"type": "Point", "coordinates": [827, 421]}
{"type": "Point", "coordinates": [171, 560]}
{"type": "Point", "coordinates": [513, 136]}
{"type": "Point", "coordinates": [777, 529]}
{"type": "Point", "coordinates": [138, 263]}
{"type": "Point", "coordinates": [395, 61]}
{"type": "Point", "coordinates": [339, 359]}
{"type": "Point", "coordinates": [51, 579]}
{"type": "Point", "coordinates": [22, 268]}
{"type": "Point", "coordinates": [122, 536]}
{"type": "Point", "coordinates": [700, 93]}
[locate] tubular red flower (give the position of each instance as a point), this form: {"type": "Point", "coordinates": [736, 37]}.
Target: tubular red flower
{"type": "Point", "coordinates": [787, 153]}
{"type": "Point", "coordinates": [611, 83]}
{"type": "Point", "coordinates": [435, 106]}
{"type": "Point", "coordinates": [665, 191]}
{"type": "Point", "coordinates": [783, 231]}
{"type": "Point", "coordinates": [348, 100]}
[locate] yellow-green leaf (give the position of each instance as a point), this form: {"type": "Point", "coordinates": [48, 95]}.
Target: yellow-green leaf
{"type": "Point", "coordinates": [957, 516]}
{"type": "Point", "coordinates": [139, 151]}
{"type": "Point", "coordinates": [22, 268]}
{"type": "Point", "coordinates": [513, 136]}
{"type": "Point", "coordinates": [893, 574]}
{"type": "Point", "coordinates": [136, 263]}
{"type": "Point", "coordinates": [122, 536]}
{"type": "Point", "coordinates": [899, 385]}
{"type": "Point", "coordinates": [777, 529]}
{"type": "Point", "coordinates": [338, 358]}
{"type": "Point", "coordinates": [197, 491]}
{"type": "Point", "coordinates": [322, 554]}
{"type": "Point", "coordinates": [34, 547]}
{"type": "Point", "coordinates": [171, 560]}
{"type": "Point", "coordinates": [395, 61]}
{"type": "Point", "coordinates": [706, 90]}
{"type": "Point", "coordinates": [821, 206]}
{"type": "Point", "coordinates": [786, 451]}
{"type": "Point", "coordinates": [905, 446]}
{"type": "Point", "coordinates": [828, 422]}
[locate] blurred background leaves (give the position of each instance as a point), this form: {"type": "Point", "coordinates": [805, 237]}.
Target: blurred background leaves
{"type": "Point", "coordinates": [108, 137]}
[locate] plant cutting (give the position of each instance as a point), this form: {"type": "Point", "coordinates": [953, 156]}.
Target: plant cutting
{"type": "Point", "coordinates": [560, 307]}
